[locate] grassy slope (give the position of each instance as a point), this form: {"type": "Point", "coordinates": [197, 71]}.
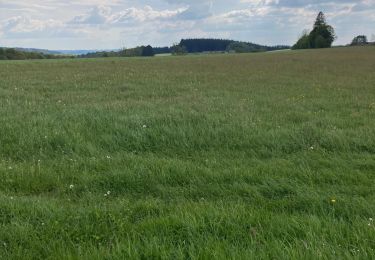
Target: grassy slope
{"type": "Point", "coordinates": [240, 157]}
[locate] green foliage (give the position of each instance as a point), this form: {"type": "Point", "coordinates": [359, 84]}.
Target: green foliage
{"type": "Point", "coordinates": [359, 40]}
{"type": "Point", "coordinates": [322, 35]}
{"type": "Point", "coordinates": [262, 156]}
{"type": "Point", "coordinates": [188, 46]}
{"type": "Point", "coordinates": [147, 51]}
{"type": "Point", "coordinates": [320, 42]}
{"type": "Point", "coordinates": [243, 47]}
{"type": "Point", "coordinates": [177, 49]}
{"type": "Point", "coordinates": [303, 42]}
{"type": "Point", "coordinates": [3, 55]}
{"type": "Point", "coordinates": [133, 52]}
{"type": "Point", "coordinates": [220, 45]}
{"type": "Point", "coordinates": [14, 54]}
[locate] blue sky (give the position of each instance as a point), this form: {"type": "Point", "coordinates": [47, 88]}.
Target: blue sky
{"type": "Point", "coordinates": [106, 24]}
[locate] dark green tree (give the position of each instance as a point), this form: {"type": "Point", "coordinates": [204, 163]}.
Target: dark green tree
{"type": "Point", "coordinates": [147, 51]}
{"type": "Point", "coordinates": [3, 54]}
{"type": "Point", "coordinates": [322, 35]}
{"type": "Point", "coordinates": [303, 42]}
{"type": "Point", "coordinates": [359, 40]}
{"type": "Point", "coordinates": [320, 20]}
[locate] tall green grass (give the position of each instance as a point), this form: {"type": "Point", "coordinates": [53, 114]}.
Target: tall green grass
{"type": "Point", "coordinates": [256, 156]}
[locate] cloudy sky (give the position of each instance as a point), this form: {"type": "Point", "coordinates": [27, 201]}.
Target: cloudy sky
{"type": "Point", "coordinates": [106, 24]}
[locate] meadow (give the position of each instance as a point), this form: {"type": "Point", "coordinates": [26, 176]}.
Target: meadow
{"type": "Point", "coordinates": [251, 156]}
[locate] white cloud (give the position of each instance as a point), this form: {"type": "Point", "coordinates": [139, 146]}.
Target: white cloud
{"type": "Point", "coordinates": [114, 23]}
{"type": "Point", "coordinates": [103, 15]}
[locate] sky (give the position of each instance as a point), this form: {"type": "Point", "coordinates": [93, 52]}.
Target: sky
{"type": "Point", "coordinates": [112, 24]}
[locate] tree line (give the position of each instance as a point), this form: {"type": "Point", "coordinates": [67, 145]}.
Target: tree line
{"type": "Point", "coordinates": [186, 46]}
{"type": "Point", "coordinates": [140, 51]}
{"type": "Point", "coordinates": [14, 54]}
{"type": "Point", "coordinates": [223, 45]}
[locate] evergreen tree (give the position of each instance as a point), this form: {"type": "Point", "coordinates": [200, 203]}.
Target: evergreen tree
{"type": "Point", "coordinates": [320, 20]}
{"type": "Point", "coordinates": [322, 35]}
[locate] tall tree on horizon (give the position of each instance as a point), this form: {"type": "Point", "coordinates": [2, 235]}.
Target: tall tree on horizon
{"type": "Point", "coordinates": [320, 20]}
{"type": "Point", "coordinates": [322, 35]}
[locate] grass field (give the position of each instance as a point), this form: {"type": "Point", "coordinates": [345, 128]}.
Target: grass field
{"type": "Point", "coordinates": [252, 156]}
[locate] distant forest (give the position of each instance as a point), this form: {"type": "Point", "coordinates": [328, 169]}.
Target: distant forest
{"type": "Point", "coordinates": [16, 54]}
{"type": "Point", "coordinates": [220, 45]}
{"type": "Point", "coordinates": [185, 46]}
{"type": "Point", "coordinates": [189, 46]}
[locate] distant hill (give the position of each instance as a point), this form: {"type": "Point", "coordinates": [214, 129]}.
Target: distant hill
{"type": "Point", "coordinates": [61, 52]}
{"type": "Point", "coordinates": [200, 45]}
{"type": "Point", "coordinates": [83, 52]}
{"type": "Point", "coordinates": [28, 54]}
{"type": "Point", "coordinates": [44, 51]}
